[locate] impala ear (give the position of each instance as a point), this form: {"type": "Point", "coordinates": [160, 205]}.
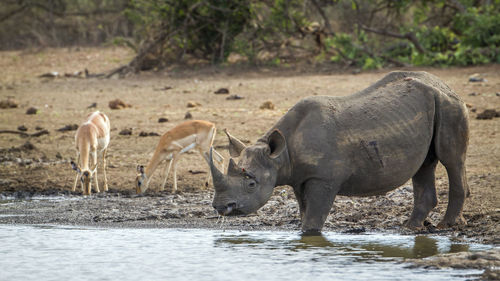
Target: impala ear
{"type": "Point", "coordinates": [140, 169]}
{"type": "Point", "coordinates": [75, 167]}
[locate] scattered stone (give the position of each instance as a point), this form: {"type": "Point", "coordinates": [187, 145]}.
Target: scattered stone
{"type": "Point", "coordinates": [58, 155]}
{"type": "Point", "coordinates": [487, 114]}
{"type": "Point", "coordinates": [497, 94]}
{"type": "Point", "coordinates": [476, 78]}
{"type": "Point", "coordinates": [195, 172]}
{"type": "Point", "coordinates": [27, 146]}
{"type": "Point", "coordinates": [22, 128]}
{"type": "Point", "coordinates": [162, 120]}
{"type": "Point", "coordinates": [118, 104]}
{"type": "Point", "coordinates": [267, 105]}
{"type": "Point", "coordinates": [70, 127]}
{"type": "Point", "coordinates": [93, 105]}
{"type": "Point", "coordinates": [53, 74]}
{"type": "Point", "coordinates": [146, 134]}
{"type": "Point", "coordinates": [222, 91]}
{"type": "Point", "coordinates": [188, 115]}
{"type": "Point", "coordinates": [38, 128]}
{"type": "Point", "coordinates": [32, 110]}
{"type": "Point", "coordinates": [234, 97]}
{"type": "Point", "coordinates": [474, 94]}
{"type": "Point", "coordinates": [8, 103]}
{"type": "Point", "coordinates": [192, 104]}
{"type": "Point", "coordinates": [125, 132]}
{"type": "Point", "coordinates": [166, 88]}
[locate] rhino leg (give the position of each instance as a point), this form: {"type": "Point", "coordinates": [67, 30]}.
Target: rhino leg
{"type": "Point", "coordinates": [424, 193]}
{"type": "Point", "coordinates": [317, 200]}
{"type": "Point", "coordinates": [452, 137]}
{"type": "Point", "coordinates": [456, 196]}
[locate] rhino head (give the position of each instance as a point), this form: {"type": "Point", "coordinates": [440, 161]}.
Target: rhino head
{"type": "Point", "coordinates": [249, 184]}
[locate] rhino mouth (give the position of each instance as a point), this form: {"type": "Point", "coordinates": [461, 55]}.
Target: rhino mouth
{"type": "Point", "coordinates": [230, 210]}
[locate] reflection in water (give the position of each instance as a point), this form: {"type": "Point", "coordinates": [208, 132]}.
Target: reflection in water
{"type": "Point", "coordinates": [47, 252]}
{"type": "Point", "coordinates": [372, 247]}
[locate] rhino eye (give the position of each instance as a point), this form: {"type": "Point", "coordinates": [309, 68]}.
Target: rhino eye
{"type": "Point", "coordinates": [251, 184]}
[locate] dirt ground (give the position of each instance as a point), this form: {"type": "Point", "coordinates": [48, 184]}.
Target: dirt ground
{"type": "Point", "coordinates": [42, 167]}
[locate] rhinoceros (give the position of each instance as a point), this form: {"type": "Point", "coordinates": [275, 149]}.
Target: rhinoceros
{"type": "Point", "coordinates": [364, 144]}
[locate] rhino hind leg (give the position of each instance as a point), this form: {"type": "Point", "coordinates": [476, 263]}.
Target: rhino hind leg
{"type": "Point", "coordinates": [452, 137]}
{"type": "Point", "coordinates": [424, 193]}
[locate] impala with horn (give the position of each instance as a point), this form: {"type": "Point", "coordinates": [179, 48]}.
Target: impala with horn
{"type": "Point", "coordinates": [91, 138]}
{"type": "Point", "coordinates": [195, 134]}
{"type": "Point", "coordinates": [364, 144]}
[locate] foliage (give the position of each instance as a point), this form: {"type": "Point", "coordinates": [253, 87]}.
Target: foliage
{"type": "Point", "coordinates": [367, 34]}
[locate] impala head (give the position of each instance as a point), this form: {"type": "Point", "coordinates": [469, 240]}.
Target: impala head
{"type": "Point", "coordinates": [85, 176]}
{"type": "Point", "coordinates": [141, 180]}
{"type": "Point", "coordinates": [249, 184]}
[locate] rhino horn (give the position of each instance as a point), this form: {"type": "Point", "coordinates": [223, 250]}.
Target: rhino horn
{"type": "Point", "coordinates": [232, 168]}
{"type": "Point", "coordinates": [235, 145]}
{"type": "Point", "coordinates": [217, 176]}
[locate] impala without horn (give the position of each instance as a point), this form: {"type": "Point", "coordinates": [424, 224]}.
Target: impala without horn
{"type": "Point", "coordinates": [195, 134]}
{"type": "Point", "coordinates": [91, 137]}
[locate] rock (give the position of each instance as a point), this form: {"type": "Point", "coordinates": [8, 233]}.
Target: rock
{"type": "Point", "coordinates": [234, 97]}
{"type": "Point", "coordinates": [27, 146]}
{"type": "Point", "coordinates": [150, 134]}
{"type": "Point", "coordinates": [125, 132]}
{"type": "Point", "coordinates": [487, 114]}
{"type": "Point", "coordinates": [38, 128]}
{"type": "Point", "coordinates": [192, 104]}
{"type": "Point", "coordinates": [267, 105]}
{"type": "Point", "coordinates": [8, 103]}
{"type": "Point", "coordinates": [162, 120]}
{"type": "Point", "coordinates": [118, 104]}
{"type": "Point", "coordinates": [476, 78]}
{"type": "Point", "coordinates": [222, 91]}
{"type": "Point", "coordinates": [22, 128]}
{"type": "Point", "coordinates": [474, 94]}
{"type": "Point", "coordinates": [70, 127]}
{"type": "Point", "coordinates": [188, 115]}
{"type": "Point", "coordinates": [32, 110]}
{"type": "Point", "coordinates": [52, 74]}
{"type": "Point", "coordinates": [93, 105]}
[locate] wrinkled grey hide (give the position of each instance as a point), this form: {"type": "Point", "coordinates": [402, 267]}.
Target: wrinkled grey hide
{"type": "Point", "coordinates": [364, 144]}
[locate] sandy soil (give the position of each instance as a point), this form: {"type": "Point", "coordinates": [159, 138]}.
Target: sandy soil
{"type": "Point", "coordinates": [42, 168]}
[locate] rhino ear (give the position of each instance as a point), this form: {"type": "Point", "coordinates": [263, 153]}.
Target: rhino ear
{"type": "Point", "coordinates": [277, 143]}
{"type": "Point", "coordinates": [235, 145]}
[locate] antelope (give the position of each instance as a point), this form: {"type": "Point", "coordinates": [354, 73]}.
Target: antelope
{"type": "Point", "coordinates": [91, 137]}
{"type": "Point", "coordinates": [196, 134]}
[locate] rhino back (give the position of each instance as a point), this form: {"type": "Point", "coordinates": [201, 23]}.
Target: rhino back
{"type": "Point", "coordinates": [371, 141]}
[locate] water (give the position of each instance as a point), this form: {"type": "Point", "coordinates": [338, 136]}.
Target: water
{"type": "Point", "coordinates": [82, 253]}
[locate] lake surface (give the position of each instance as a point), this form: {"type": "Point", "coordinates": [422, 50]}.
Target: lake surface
{"type": "Point", "coordinates": [82, 253]}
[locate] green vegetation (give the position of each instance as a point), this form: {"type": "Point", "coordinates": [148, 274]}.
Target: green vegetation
{"type": "Point", "coordinates": [367, 34]}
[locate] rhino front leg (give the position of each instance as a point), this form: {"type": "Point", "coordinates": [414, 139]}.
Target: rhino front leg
{"type": "Point", "coordinates": [316, 203]}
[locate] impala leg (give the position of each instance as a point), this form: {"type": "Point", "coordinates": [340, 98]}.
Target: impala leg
{"type": "Point", "coordinates": [104, 165]}
{"type": "Point", "coordinates": [174, 160]}
{"type": "Point", "coordinates": [77, 174]}
{"type": "Point", "coordinates": [95, 173]}
{"type": "Point", "coordinates": [166, 172]}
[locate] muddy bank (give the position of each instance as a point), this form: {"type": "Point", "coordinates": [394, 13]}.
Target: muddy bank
{"type": "Point", "coordinates": [118, 208]}
{"type": "Point", "coordinates": [488, 260]}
